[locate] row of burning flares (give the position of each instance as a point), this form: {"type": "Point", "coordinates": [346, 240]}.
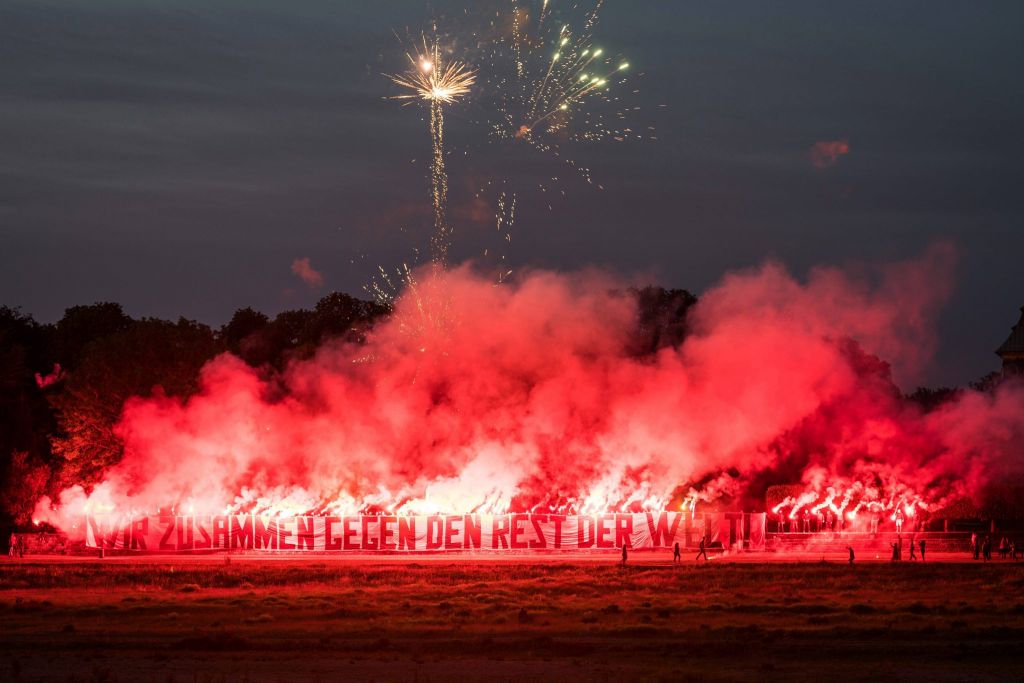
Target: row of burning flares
{"type": "Point", "coordinates": [849, 506]}
{"type": "Point", "coordinates": [837, 509]}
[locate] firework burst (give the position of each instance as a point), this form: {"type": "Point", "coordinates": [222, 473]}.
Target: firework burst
{"type": "Point", "coordinates": [548, 77]}
{"type": "Point", "coordinates": [432, 79]}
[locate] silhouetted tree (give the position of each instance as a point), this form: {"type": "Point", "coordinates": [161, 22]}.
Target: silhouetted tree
{"type": "Point", "coordinates": [661, 318]}
{"type": "Point", "coordinates": [150, 356]}
{"type": "Point", "coordinates": [929, 399]}
{"type": "Point", "coordinates": [83, 325]}
{"type": "Point", "coordinates": [25, 418]}
{"type": "Point", "coordinates": [246, 336]}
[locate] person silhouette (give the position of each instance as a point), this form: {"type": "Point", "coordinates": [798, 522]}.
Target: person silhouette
{"type": "Point", "coordinates": [625, 553]}
{"type": "Point", "coordinates": [703, 549]}
{"type": "Point", "coordinates": [676, 555]}
{"type": "Point", "coordinates": [850, 548]}
{"type": "Point", "coordinates": [921, 544]}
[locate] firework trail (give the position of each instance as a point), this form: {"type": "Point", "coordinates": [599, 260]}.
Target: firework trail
{"type": "Point", "coordinates": [437, 82]}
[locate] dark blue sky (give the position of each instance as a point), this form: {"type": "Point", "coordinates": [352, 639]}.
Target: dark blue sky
{"type": "Point", "coordinates": [177, 156]}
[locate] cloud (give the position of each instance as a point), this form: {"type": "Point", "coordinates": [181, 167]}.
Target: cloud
{"type": "Point", "coordinates": [825, 153]}
{"type": "Point", "coordinates": [308, 274]}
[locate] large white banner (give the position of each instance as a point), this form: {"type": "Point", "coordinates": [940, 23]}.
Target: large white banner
{"type": "Point", "coordinates": [387, 533]}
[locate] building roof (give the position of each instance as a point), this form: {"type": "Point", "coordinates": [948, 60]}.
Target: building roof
{"type": "Point", "coordinates": [1014, 344]}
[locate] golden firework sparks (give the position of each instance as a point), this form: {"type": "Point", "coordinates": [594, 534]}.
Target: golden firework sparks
{"type": "Point", "coordinates": [432, 79]}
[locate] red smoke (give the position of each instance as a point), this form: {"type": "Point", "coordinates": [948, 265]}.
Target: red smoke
{"type": "Point", "coordinates": [307, 273]}
{"type": "Point", "coordinates": [825, 153]}
{"type": "Point", "coordinates": [475, 397]}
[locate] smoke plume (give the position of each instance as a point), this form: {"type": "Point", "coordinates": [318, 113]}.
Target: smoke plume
{"type": "Point", "coordinates": [527, 396]}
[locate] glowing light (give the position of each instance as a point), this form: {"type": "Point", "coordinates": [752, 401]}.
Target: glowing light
{"type": "Point", "coordinates": [437, 82]}
{"type": "Point", "coordinates": [432, 79]}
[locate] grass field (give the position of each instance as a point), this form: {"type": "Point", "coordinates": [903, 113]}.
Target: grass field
{"type": "Point", "coordinates": [451, 619]}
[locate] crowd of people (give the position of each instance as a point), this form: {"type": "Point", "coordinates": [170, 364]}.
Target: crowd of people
{"type": "Point", "coordinates": [981, 548]}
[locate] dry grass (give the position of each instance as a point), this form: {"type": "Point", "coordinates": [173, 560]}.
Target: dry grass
{"type": "Point", "coordinates": [312, 621]}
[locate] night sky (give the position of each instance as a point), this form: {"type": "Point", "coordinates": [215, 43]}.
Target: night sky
{"type": "Point", "coordinates": [179, 156]}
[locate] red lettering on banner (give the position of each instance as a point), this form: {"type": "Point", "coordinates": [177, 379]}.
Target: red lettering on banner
{"type": "Point", "coordinates": [220, 532]}
{"type": "Point", "coordinates": [385, 533]}
{"type": "Point", "coordinates": [185, 542]}
{"type": "Point", "coordinates": [330, 542]}
{"type": "Point", "coordinates": [603, 531]}
{"type": "Point", "coordinates": [407, 533]}
{"type": "Point", "coordinates": [368, 542]}
{"type": "Point", "coordinates": [265, 535]}
{"type": "Point", "coordinates": [140, 528]}
{"type": "Point", "coordinates": [517, 531]}
{"type": "Point", "coordinates": [305, 532]}
{"type": "Point", "coordinates": [112, 536]}
{"type": "Point", "coordinates": [97, 531]}
{"type": "Point", "coordinates": [557, 520]}
{"type": "Point", "coordinates": [168, 523]}
{"type": "Point", "coordinates": [283, 534]}
{"type": "Point", "coordinates": [348, 533]}
{"type": "Point", "coordinates": [541, 541]}
{"type": "Point", "coordinates": [434, 532]}
{"type": "Point", "coordinates": [241, 532]}
{"type": "Point", "coordinates": [623, 530]}
{"type": "Point", "coordinates": [585, 531]}
{"type": "Point", "coordinates": [661, 533]}
{"type": "Point", "coordinates": [472, 525]}
{"type": "Point", "coordinates": [370, 533]}
{"type": "Point", "coordinates": [450, 532]}
{"type": "Point", "coordinates": [201, 524]}
{"type": "Point", "coordinates": [499, 531]}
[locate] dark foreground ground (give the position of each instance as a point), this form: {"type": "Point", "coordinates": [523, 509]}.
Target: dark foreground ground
{"type": "Point", "coordinates": [443, 619]}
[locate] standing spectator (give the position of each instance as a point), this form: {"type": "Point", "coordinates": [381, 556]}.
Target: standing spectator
{"type": "Point", "coordinates": [912, 555]}
{"type": "Point", "coordinates": [703, 551]}
{"type": "Point", "coordinates": [12, 547]}
{"type": "Point", "coordinates": [895, 552]}
{"type": "Point", "coordinates": [850, 549]}
{"type": "Point", "coordinates": [922, 549]}
{"type": "Point", "coordinates": [986, 549]}
{"type": "Point", "coordinates": [676, 555]}
{"type": "Point", "coordinates": [625, 554]}
{"type": "Point", "coordinates": [975, 545]}
{"type": "Point", "coordinates": [1004, 548]}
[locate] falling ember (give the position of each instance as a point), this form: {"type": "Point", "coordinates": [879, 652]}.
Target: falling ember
{"type": "Point", "coordinates": [439, 83]}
